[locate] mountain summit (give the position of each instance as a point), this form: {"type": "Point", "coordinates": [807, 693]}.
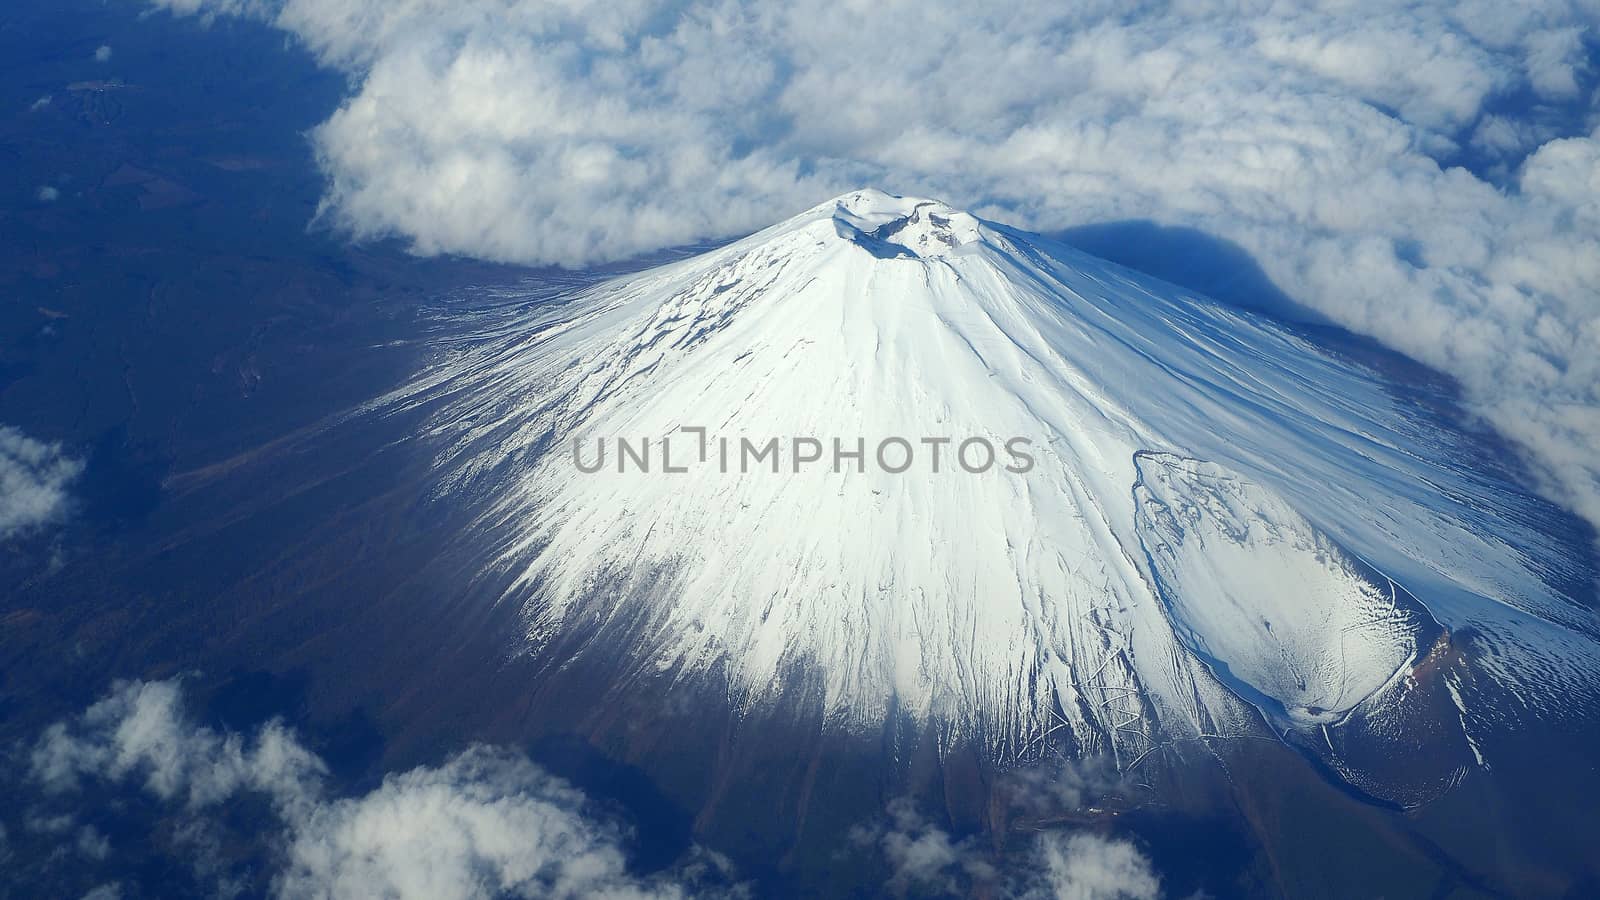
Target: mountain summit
{"type": "Point", "coordinates": [910, 464]}
{"type": "Point", "coordinates": [912, 227]}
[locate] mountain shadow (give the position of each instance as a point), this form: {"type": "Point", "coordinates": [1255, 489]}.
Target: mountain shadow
{"type": "Point", "coordinates": [1192, 259]}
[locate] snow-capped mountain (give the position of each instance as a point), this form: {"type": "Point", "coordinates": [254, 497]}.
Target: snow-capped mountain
{"type": "Point", "coordinates": [1186, 521]}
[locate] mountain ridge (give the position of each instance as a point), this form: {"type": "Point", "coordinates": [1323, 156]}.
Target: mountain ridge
{"type": "Point", "coordinates": [1052, 611]}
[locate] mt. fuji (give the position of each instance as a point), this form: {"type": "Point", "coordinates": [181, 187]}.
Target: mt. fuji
{"type": "Point", "coordinates": [1193, 522]}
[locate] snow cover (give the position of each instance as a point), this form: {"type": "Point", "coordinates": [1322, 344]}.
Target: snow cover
{"type": "Point", "coordinates": [1217, 509]}
{"type": "Point", "coordinates": [1284, 614]}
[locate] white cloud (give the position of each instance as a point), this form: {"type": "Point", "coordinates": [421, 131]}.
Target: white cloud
{"type": "Point", "coordinates": [1085, 866]}
{"type": "Point", "coordinates": [1556, 61]}
{"type": "Point", "coordinates": [139, 731]}
{"type": "Point", "coordinates": [40, 103]}
{"type": "Point", "coordinates": [102, 53]}
{"type": "Point", "coordinates": [925, 860]}
{"type": "Point", "coordinates": [1316, 136]}
{"type": "Point", "coordinates": [33, 482]}
{"type": "Point", "coordinates": [47, 194]}
{"type": "Point", "coordinates": [487, 823]}
{"type": "Point", "coordinates": [922, 856]}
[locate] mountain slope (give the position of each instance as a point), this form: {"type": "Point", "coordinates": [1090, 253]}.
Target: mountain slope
{"type": "Point", "coordinates": [1220, 525]}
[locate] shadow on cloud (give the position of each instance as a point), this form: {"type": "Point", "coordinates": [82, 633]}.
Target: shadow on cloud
{"type": "Point", "coordinates": [1191, 259]}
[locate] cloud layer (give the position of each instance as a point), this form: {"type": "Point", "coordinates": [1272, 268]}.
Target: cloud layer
{"type": "Point", "coordinates": [34, 477]}
{"type": "Point", "coordinates": [486, 823]}
{"type": "Point", "coordinates": [1428, 174]}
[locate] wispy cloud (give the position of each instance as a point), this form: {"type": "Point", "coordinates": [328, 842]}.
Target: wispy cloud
{"type": "Point", "coordinates": [140, 732]}
{"type": "Point", "coordinates": [925, 859]}
{"type": "Point", "coordinates": [921, 855]}
{"type": "Point", "coordinates": [486, 823]}
{"type": "Point", "coordinates": [34, 477]}
{"type": "Point", "coordinates": [1428, 174]}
